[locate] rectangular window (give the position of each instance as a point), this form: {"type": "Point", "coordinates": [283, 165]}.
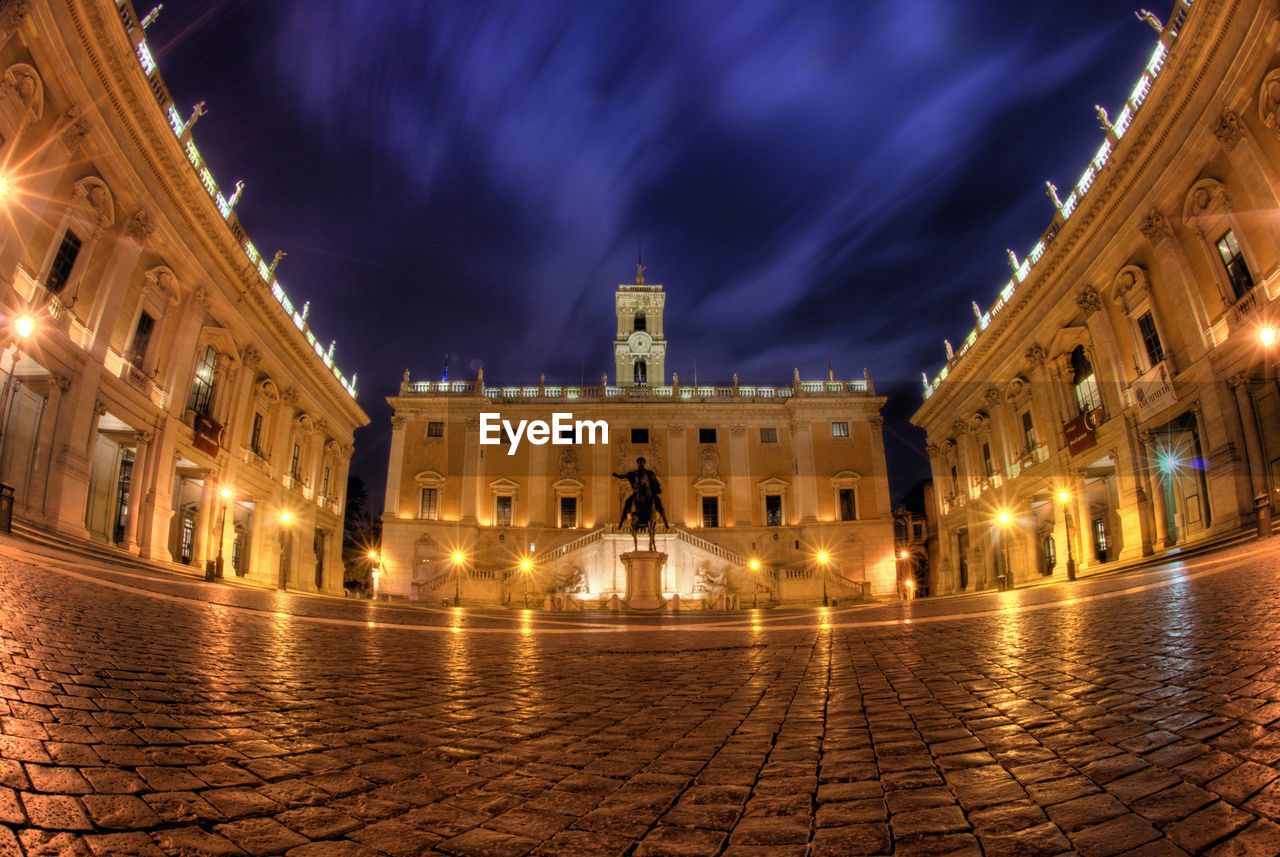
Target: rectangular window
{"type": "Point", "coordinates": [63, 263]}
{"type": "Point", "coordinates": [141, 339]}
{"type": "Point", "coordinates": [1028, 431]}
{"type": "Point", "coordinates": [639, 435]}
{"type": "Point", "coordinates": [429, 504]}
{"type": "Point", "coordinates": [706, 435]}
{"type": "Point", "coordinates": [294, 461]}
{"type": "Point", "coordinates": [568, 512]}
{"type": "Point", "coordinates": [710, 511]}
{"type": "Point", "coordinates": [840, 429]}
{"type": "Point", "coordinates": [988, 466]}
{"type": "Point", "coordinates": [773, 510]}
{"type": "Point", "coordinates": [955, 481]}
{"type": "Point", "coordinates": [848, 504]}
{"type": "Point", "coordinates": [502, 512]}
{"type": "Point", "coordinates": [255, 433]}
{"type": "Point", "coordinates": [435, 429]}
{"type": "Point", "coordinates": [1100, 539]}
{"type": "Point", "coordinates": [642, 322]}
{"type": "Point", "coordinates": [917, 530]}
{"type": "Point", "coordinates": [324, 483]}
{"type": "Point", "coordinates": [187, 546]}
{"type": "Point", "coordinates": [1233, 261]}
{"type": "Point", "coordinates": [202, 384]}
{"type": "Point", "coordinates": [768, 435]}
{"type": "Point", "coordinates": [1151, 338]}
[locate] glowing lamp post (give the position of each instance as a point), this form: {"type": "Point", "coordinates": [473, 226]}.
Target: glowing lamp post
{"type": "Point", "coordinates": [1005, 520]}
{"type": "Point", "coordinates": [1063, 497]}
{"type": "Point", "coordinates": [458, 559]}
{"type": "Point", "coordinates": [823, 557]}
{"type": "Point", "coordinates": [375, 573]}
{"type": "Point", "coordinates": [24, 326]}
{"type": "Point", "coordinates": [226, 494]}
{"type": "Point", "coordinates": [526, 569]}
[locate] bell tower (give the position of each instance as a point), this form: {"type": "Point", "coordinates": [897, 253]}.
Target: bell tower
{"type": "Point", "coordinates": [639, 347]}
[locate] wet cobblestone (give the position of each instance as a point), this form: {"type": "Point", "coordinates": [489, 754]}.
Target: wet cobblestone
{"type": "Point", "coordinates": [1137, 714]}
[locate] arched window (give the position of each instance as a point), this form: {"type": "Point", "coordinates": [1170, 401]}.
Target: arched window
{"type": "Point", "coordinates": [1084, 381]}
{"type": "Point", "coordinates": [640, 375]}
{"type": "Point", "coordinates": [641, 322]}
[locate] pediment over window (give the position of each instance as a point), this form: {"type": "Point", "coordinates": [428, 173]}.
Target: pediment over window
{"type": "Point", "coordinates": [846, 479]}
{"type": "Point", "coordinates": [428, 479]}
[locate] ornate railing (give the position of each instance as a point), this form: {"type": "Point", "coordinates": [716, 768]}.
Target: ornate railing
{"type": "Point", "coordinates": [709, 546]}
{"type": "Point", "coordinates": [640, 391]}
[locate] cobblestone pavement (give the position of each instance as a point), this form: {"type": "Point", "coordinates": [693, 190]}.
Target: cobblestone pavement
{"type": "Point", "coordinates": [144, 714]}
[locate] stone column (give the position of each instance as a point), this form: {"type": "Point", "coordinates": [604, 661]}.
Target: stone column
{"type": "Point", "coordinates": [137, 488]}
{"type": "Point", "coordinates": [678, 481]}
{"type": "Point", "coordinates": [1048, 431]}
{"type": "Point", "coordinates": [743, 503]}
{"type": "Point", "coordinates": [1107, 369]}
{"type": "Point", "coordinates": [1253, 449]}
{"type": "Point", "coordinates": [472, 471]}
{"type": "Point", "coordinates": [1189, 315]}
{"type": "Point", "coordinates": [203, 536]}
{"type": "Point", "coordinates": [107, 305]}
{"type": "Point", "coordinates": [802, 448]}
{"type": "Point", "coordinates": [39, 480]}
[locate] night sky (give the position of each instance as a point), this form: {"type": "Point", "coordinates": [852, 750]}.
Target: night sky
{"type": "Point", "coordinates": [811, 181]}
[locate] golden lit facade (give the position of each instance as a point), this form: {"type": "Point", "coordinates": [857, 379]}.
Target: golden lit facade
{"type": "Point", "coordinates": [1119, 400]}
{"type": "Point", "coordinates": [774, 494]}
{"type": "Point", "coordinates": [161, 395]}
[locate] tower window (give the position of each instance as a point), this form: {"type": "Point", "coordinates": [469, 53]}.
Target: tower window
{"type": "Point", "coordinates": [641, 374]}
{"type": "Point", "coordinates": [639, 435]}
{"type": "Point", "coordinates": [60, 270]}
{"type": "Point", "coordinates": [1233, 261]}
{"type": "Point", "coordinates": [840, 429]}
{"type": "Point", "coordinates": [435, 429]}
{"type": "Point", "coordinates": [706, 435]}
{"type": "Point", "coordinates": [641, 322]}
{"type": "Point", "coordinates": [768, 435]}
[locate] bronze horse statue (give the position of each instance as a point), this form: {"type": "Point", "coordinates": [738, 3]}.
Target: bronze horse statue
{"type": "Point", "coordinates": [638, 512]}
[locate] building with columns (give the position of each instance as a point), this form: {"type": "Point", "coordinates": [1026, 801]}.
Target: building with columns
{"type": "Point", "coordinates": [1119, 398]}
{"type": "Point", "coordinates": [774, 495]}
{"type": "Point", "coordinates": [159, 393]}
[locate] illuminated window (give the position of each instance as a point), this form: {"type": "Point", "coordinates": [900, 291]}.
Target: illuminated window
{"type": "Point", "coordinates": [773, 510]}
{"type": "Point", "coordinates": [435, 429]}
{"type": "Point", "coordinates": [141, 339]}
{"type": "Point", "coordinates": [710, 511]}
{"type": "Point", "coordinates": [1151, 338]}
{"type": "Point", "coordinates": [768, 435]}
{"type": "Point", "coordinates": [1100, 539]}
{"type": "Point", "coordinates": [840, 429]}
{"type": "Point", "coordinates": [202, 384]}
{"type": "Point", "coordinates": [639, 435]}
{"type": "Point", "coordinates": [568, 512]}
{"type": "Point", "coordinates": [429, 504]}
{"type": "Point", "coordinates": [502, 511]}
{"type": "Point", "coordinates": [706, 435]}
{"type": "Point", "coordinates": [1084, 382]}
{"type": "Point", "coordinates": [63, 263]}
{"type": "Point", "coordinates": [641, 322]}
{"type": "Point", "coordinates": [1028, 431]}
{"type": "Point", "coordinates": [1233, 261]}
{"type": "Point", "coordinates": [848, 504]}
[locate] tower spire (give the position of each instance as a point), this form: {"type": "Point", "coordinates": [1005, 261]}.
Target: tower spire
{"type": "Point", "coordinates": [639, 263]}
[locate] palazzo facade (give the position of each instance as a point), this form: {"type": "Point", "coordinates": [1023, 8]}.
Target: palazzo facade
{"type": "Point", "coordinates": [773, 494]}
{"type": "Point", "coordinates": [159, 393]}
{"type": "Point", "coordinates": [1119, 399]}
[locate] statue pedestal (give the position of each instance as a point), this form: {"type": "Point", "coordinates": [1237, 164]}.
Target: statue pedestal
{"type": "Point", "coordinates": [644, 579]}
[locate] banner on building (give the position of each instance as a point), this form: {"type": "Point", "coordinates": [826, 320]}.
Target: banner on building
{"type": "Point", "coordinates": [207, 435]}
{"type": "Point", "coordinates": [1080, 433]}
{"type": "Point", "coordinates": [1153, 392]}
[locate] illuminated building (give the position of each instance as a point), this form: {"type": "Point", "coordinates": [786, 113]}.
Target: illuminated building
{"type": "Point", "coordinates": [161, 395]}
{"type": "Point", "coordinates": [774, 494]}
{"type": "Point", "coordinates": [1119, 399]}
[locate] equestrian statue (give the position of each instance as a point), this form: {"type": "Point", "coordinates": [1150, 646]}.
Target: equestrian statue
{"type": "Point", "coordinates": [641, 505]}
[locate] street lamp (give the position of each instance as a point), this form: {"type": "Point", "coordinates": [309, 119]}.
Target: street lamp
{"type": "Point", "coordinates": [1063, 497]}
{"type": "Point", "coordinates": [226, 495]}
{"type": "Point", "coordinates": [375, 573]}
{"type": "Point", "coordinates": [823, 557]}
{"type": "Point", "coordinates": [1005, 520]}
{"type": "Point", "coordinates": [458, 559]}
{"type": "Point", "coordinates": [526, 568]}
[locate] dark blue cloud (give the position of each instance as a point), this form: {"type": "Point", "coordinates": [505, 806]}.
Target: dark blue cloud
{"type": "Point", "coordinates": [812, 181]}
